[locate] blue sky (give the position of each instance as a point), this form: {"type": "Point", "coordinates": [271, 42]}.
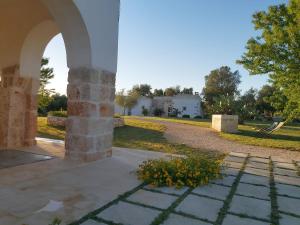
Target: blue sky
{"type": "Point", "coordinates": [175, 42]}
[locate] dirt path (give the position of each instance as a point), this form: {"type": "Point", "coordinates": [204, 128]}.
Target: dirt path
{"type": "Point", "coordinates": [206, 138]}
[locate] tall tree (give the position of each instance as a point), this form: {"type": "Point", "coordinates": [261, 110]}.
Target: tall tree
{"type": "Point", "coordinates": [142, 90]}
{"type": "Point", "coordinates": [276, 51]}
{"type": "Point", "coordinates": [126, 101]}
{"type": "Point", "coordinates": [264, 104]}
{"type": "Point", "coordinates": [171, 91]}
{"type": "Point", "coordinates": [187, 91]}
{"type": "Point", "coordinates": [158, 92]}
{"type": "Point", "coordinates": [44, 95]}
{"type": "Point", "coordinates": [219, 84]}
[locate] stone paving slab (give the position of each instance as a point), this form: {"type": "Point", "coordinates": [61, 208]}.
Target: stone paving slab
{"type": "Point", "coordinates": [126, 213]}
{"type": "Point", "coordinates": [236, 220]}
{"type": "Point", "coordinates": [259, 159]}
{"type": "Point", "coordinates": [285, 172]}
{"type": "Point", "coordinates": [258, 172]}
{"type": "Point", "coordinates": [181, 220]}
{"type": "Point", "coordinates": [253, 179]}
{"type": "Point", "coordinates": [290, 205]}
{"type": "Point", "coordinates": [251, 207]}
{"type": "Point", "coordinates": [236, 165]}
{"type": "Point", "coordinates": [289, 190]}
{"type": "Point", "coordinates": [258, 165]}
{"type": "Point", "coordinates": [253, 191]}
{"type": "Point", "coordinates": [282, 165]}
{"type": "Point", "coordinates": [200, 207]}
{"type": "Point", "coordinates": [168, 190]}
{"type": "Point", "coordinates": [158, 200]}
{"type": "Point", "coordinates": [288, 220]}
{"type": "Point", "coordinates": [234, 159]}
{"type": "Point", "coordinates": [230, 171]}
{"type": "Point", "coordinates": [238, 154]}
{"type": "Point", "coordinates": [287, 180]}
{"type": "Point", "coordinates": [92, 222]}
{"type": "Point", "coordinates": [226, 180]}
{"type": "Point", "coordinates": [213, 190]}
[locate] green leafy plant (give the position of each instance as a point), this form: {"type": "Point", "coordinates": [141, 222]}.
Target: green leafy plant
{"type": "Point", "coordinates": [192, 171]}
{"type": "Point", "coordinates": [145, 111]}
{"type": "Point", "coordinates": [58, 113]}
{"type": "Point", "coordinates": [56, 221]}
{"type": "Point", "coordinates": [186, 116]}
{"type": "Point", "coordinates": [197, 117]}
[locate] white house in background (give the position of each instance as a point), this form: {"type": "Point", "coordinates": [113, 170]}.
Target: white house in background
{"type": "Point", "coordinates": [180, 104]}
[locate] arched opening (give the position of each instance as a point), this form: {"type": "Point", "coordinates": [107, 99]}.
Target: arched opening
{"type": "Point", "coordinates": [90, 37]}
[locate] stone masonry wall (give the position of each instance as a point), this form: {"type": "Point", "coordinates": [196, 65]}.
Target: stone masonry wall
{"type": "Point", "coordinates": [17, 109]}
{"type": "Point", "coordinates": [90, 110]}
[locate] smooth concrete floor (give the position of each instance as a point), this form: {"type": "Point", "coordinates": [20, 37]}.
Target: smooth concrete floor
{"type": "Point", "coordinates": [36, 193]}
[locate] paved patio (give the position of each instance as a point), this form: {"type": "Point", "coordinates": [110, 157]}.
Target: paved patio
{"type": "Point", "coordinates": [255, 190]}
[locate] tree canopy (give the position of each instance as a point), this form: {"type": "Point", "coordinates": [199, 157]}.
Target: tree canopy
{"type": "Point", "coordinates": [276, 52]}
{"type": "Point", "coordinates": [220, 84]}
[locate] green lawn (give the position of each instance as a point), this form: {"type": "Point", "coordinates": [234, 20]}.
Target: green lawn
{"type": "Point", "coordinates": [52, 132]}
{"type": "Point", "coordinates": [135, 134]}
{"type": "Point", "coordinates": [148, 135]}
{"type": "Point", "coordinates": [195, 122]}
{"type": "Point", "coordinates": [288, 137]}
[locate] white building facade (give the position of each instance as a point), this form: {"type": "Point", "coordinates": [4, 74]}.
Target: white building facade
{"type": "Point", "coordinates": [179, 105]}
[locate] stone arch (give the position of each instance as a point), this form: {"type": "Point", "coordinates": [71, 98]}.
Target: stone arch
{"type": "Point", "coordinates": [90, 33]}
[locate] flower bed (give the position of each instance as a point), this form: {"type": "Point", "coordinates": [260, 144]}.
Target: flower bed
{"type": "Point", "coordinates": [189, 171]}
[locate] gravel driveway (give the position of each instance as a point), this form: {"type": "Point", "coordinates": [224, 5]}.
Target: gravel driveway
{"type": "Point", "coordinates": [206, 138]}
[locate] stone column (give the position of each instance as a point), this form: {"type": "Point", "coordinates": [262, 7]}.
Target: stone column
{"type": "Point", "coordinates": [18, 109]}
{"type": "Point", "coordinates": [89, 125]}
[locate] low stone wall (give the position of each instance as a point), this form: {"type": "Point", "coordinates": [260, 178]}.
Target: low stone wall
{"type": "Point", "coordinates": [56, 121]}
{"type": "Point", "coordinates": [119, 122]}
{"type": "Point", "coordinates": [61, 121]}
{"type": "Point", "coordinates": [225, 123]}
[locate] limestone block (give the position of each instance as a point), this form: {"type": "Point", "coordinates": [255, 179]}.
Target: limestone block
{"type": "Point", "coordinates": [56, 121]}
{"type": "Point", "coordinates": [225, 123]}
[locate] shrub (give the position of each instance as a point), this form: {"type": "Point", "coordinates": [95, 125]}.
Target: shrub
{"type": "Point", "coordinates": [158, 112]}
{"type": "Point", "coordinates": [191, 171]}
{"type": "Point", "coordinates": [117, 115]}
{"type": "Point", "coordinates": [58, 113]}
{"type": "Point", "coordinates": [186, 116]}
{"type": "Point", "coordinates": [145, 111]}
{"type": "Point", "coordinates": [197, 117]}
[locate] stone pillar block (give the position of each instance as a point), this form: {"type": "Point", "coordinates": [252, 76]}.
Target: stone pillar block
{"type": "Point", "coordinates": [90, 110]}
{"type": "Point", "coordinates": [18, 109]}
{"type": "Point", "coordinates": [225, 123]}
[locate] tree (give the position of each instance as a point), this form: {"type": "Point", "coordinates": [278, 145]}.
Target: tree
{"type": "Point", "coordinates": [220, 84]}
{"type": "Point", "coordinates": [44, 95]}
{"type": "Point", "coordinates": [264, 105]}
{"type": "Point", "coordinates": [246, 105]}
{"type": "Point", "coordinates": [276, 52]}
{"type": "Point", "coordinates": [142, 90]}
{"type": "Point", "coordinates": [171, 91]}
{"type": "Point", "coordinates": [158, 92]}
{"type": "Point", "coordinates": [58, 102]}
{"type": "Point", "coordinates": [188, 91]}
{"type": "Point", "coordinates": [126, 101]}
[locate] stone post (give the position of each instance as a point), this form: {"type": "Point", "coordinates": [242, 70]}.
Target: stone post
{"type": "Point", "coordinates": [89, 125]}
{"type": "Point", "coordinates": [18, 109]}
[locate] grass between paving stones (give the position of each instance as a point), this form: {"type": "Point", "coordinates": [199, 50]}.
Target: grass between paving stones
{"type": "Point", "coordinates": [225, 208]}
{"type": "Point", "coordinates": [273, 196]}
{"type": "Point", "coordinates": [93, 215]}
{"type": "Point", "coordinates": [165, 214]}
{"type": "Point", "coordinates": [297, 167]}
